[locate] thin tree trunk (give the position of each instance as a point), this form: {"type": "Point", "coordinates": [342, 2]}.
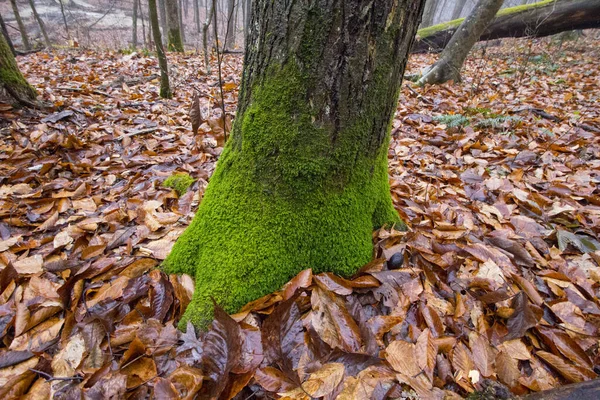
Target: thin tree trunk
{"type": "Point", "coordinates": [454, 55]}
{"type": "Point", "coordinates": [248, 18]}
{"type": "Point", "coordinates": [7, 37]}
{"type": "Point", "coordinates": [24, 37]}
{"type": "Point", "coordinates": [40, 23]}
{"type": "Point", "coordinates": [134, 38]}
{"type": "Point", "coordinates": [207, 22]}
{"type": "Point", "coordinates": [141, 9]}
{"type": "Point", "coordinates": [174, 40]}
{"type": "Point", "coordinates": [163, 20]}
{"type": "Point", "coordinates": [229, 38]}
{"type": "Point", "coordinates": [11, 78]}
{"type": "Point", "coordinates": [197, 15]}
{"type": "Point", "coordinates": [303, 180]}
{"type": "Point", "coordinates": [165, 88]}
{"type": "Point", "coordinates": [428, 13]}
{"type": "Point", "coordinates": [62, 11]}
{"type": "Point", "coordinates": [235, 22]}
{"type": "Point", "coordinates": [458, 8]}
{"type": "Point", "coordinates": [181, 25]}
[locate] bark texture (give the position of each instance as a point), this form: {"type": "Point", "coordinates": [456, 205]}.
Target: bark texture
{"type": "Point", "coordinates": [454, 55]}
{"type": "Point", "coordinates": [165, 88]}
{"type": "Point", "coordinates": [303, 179]}
{"type": "Point", "coordinates": [534, 20]}
{"type": "Point", "coordinates": [174, 38]}
{"type": "Point", "coordinates": [6, 36]}
{"type": "Point", "coordinates": [11, 78]}
{"type": "Point", "coordinates": [24, 37]}
{"type": "Point", "coordinates": [40, 23]}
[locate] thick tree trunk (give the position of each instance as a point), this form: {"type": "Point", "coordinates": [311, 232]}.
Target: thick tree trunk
{"type": "Point", "coordinates": [11, 78]}
{"type": "Point", "coordinates": [428, 13]}
{"type": "Point", "coordinates": [303, 180]}
{"type": "Point", "coordinates": [533, 20]}
{"type": "Point", "coordinates": [454, 55]}
{"type": "Point", "coordinates": [165, 88]}
{"type": "Point", "coordinates": [24, 37]}
{"type": "Point", "coordinates": [7, 37]}
{"type": "Point", "coordinates": [174, 39]}
{"type": "Point", "coordinates": [40, 23]}
{"type": "Point", "coordinates": [134, 38]}
{"type": "Point", "coordinates": [458, 7]}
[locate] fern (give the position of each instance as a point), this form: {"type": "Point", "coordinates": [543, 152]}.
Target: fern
{"type": "Point", "coordinates": [452, 120]}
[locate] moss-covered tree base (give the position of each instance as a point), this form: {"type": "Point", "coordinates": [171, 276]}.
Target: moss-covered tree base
{"type": "Point", "coordinates": [11, 79]}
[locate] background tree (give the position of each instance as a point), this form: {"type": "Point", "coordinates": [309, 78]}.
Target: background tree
{"type": "Point", "coordinates": [230, 34]}
{"type": "Point", "coordinates": [205, 26]}
{"type": "Point", "coordinates": [174, 39]}
{"type": "Point", "coordinates": [134, 38]}
{"type": "Point", "coordinates": [455, 53]}
{"type": "Point", "coordinates": [165, 88]}
{"type": "Point", "coordinates": [11, 78]}
{"type": "Point", "coordinates": [7, 37]}
{"type": "Point", "coordinates": [64, 16]}
{"type": "Point", "coordinates": [428, 13]}
{"type": "Point", "coordinates": [458, 8]}
{"type": "Point", "coordinates": [303, 180]}
{"type": "Point", "coordinates": [40, 23]}
{"type": "Point", "coordinates": [22, 30]}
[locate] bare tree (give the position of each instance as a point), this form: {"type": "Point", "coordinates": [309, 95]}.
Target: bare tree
{"type": "Point", "coordinates": [197, 15]}
{"type": "Point", "coordinates": [40, 23]}
{"type": "Point", "coordinates": [62, 10]}
{"type": "Point", "coordinates": [22, 29]}
{"type": "Point", "coordinates": [453, 57]}
{"type": "Point", "coordinates": [458, 8]}
{"type": "Point", "coordinates": [7, 37]}
{"type": "Point", "coordinates": [165, 88]}
{"type": "Point", "coordinates": [134, 37]}
{"type": "Point", "coordinates": [174, 40]}
{"type": "Point", "coordinates": [428, 13]}
{"type": "Point", "coordinates": [229, 36]}
{"type": "Point", "coordinates": [162, 10]}
{"type": "Point", "coordinates": [207, 22]}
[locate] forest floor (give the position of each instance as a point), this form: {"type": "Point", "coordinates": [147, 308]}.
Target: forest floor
{"type": "Point", "coordinates": [497, 178]}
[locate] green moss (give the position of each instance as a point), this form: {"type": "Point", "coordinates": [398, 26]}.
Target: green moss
{"type": "Point", "coordinates": [174, 41]}
{"type": "Point", "coordinates": [11, 76]}
{"type": "Point", "coordinates": [430, 30]}
{"type": "Point", "coordinates": [180, 182]}
{"type": "Point", "coordinates": [281, 200]}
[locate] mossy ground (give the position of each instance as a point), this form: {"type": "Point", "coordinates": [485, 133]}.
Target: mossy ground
{"type": "Point", "coordinates": [180, 182]}
{"type": "Point", "coordinates": [281, 200]}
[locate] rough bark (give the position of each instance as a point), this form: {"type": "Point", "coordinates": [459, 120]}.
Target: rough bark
{"type": "Point", "coordinates": [40, 23]}
{"type": "Point", "coordinates": [11, 78]}
{"type": "Point", "coordinates": [534, 20]}
{"type": "Point", "coordinates": [7, 37]}
{"type": "Point", "coordinates": [22, 30]}
{"type": "Point", "coordinates": [428, 13]}
{"type": "Point", "coordinates": [174, 40]}
{"type": "Point", "coordinates": [454, 55]}
{"type": "Point", "coordinates": [205, 26]}
{"type": "Point", "coordinates": [134, 38]}
{"type": "Point", "coordinates": [165, 88]}
{"type": "Point", "coordinates": [303, 180]}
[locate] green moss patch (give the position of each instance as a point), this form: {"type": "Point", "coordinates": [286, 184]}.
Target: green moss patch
{"type": "Point", "coordinates": [180, 182]}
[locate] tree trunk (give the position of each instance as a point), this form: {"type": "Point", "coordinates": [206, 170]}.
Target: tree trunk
{"type": "Point", "coordinates": [303, 180]}
{"type": "Point", "coordinates": [141, 10]}
{"type": "Point", "coordinates": [7, 37]}
{"type": "Point", "coordinates": [24, 37]}
{"type": "Point", "coordinates": [174, 40]}
{"type": "Point", "coordinates": [205, 26]}
{"type": "Point", "coordinates": [62, 11]}
{"type": "Point", "coordinates": [229, 38]}
{"type": "Point", "coordinates": [40, 23]}
{"type": "Point", "coordinates": [248, 18]}
{"type": "Point", "coordinates": [11, 78]}
{"type": "Point", "coordinates": [588, 390]}
{"type": "Point", "coordinates": [454, 55]}
{"type": "Point", "coordinates": [428, 13]}
{"type": "Point", "coordinates": [181, 25]}
{"type": "Point", "coordinates": [163, 20]}
{"type": "Point", "coordinates": [458, 7]}
{"type": "Point", "coordinates": [197, 15]}
{"type": "Point", "coordinates": [534, 20]}
{"type": "Point", "coordinates": [165, 88]}
{"type": "Point", "coordinates": [134, 28]}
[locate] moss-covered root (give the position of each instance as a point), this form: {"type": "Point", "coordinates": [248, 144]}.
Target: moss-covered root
{"type": "Point", "coordinates": [11, 78]}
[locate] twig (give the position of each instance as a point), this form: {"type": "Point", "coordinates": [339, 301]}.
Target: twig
{"type": "Point", "coordinates": [49, 377]}
{"type": "Point", "coordinates": [79, 90]}
{"type": "Point", "coordinates": [140, 132]}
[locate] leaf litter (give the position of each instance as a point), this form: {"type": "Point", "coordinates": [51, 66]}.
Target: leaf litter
{"type": "Point", "coordinates": [496, 280]}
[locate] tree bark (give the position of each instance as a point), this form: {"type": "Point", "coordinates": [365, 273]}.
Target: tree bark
{"type": "Point", "coordinates": [428, 13]}
{"type": "Point", "coordinates": [11, 78]}
{"type": "Point", "coordinates": [165, 88]}
{"type": "Point", "coordinates": [24, 37]}
{"type": "Point", "coordinates": [197, 16]}
{"type": "Point", "coordinates": [162, 10]}
{"type": "Point", "coordinates": [7, 37]}
{"type": "Point", "coordinates": [181, 25]}
{"type": "Point", "coordinates": [40, 23]}
{"type": "Point", "coordinates": [303, 180]}
{"type": "Point", "coordinates": [534, 20]}
{"type": "Point", "coordinates": [174, 40]}
{"type": "Point", "coordinates": [588, 390]}
{"type": "Point", "coordinates": [229, 36]}
{"type": "Point", "coordinates": [134, 38]}
{"type": "Point", "coordinates": [454, 55]}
